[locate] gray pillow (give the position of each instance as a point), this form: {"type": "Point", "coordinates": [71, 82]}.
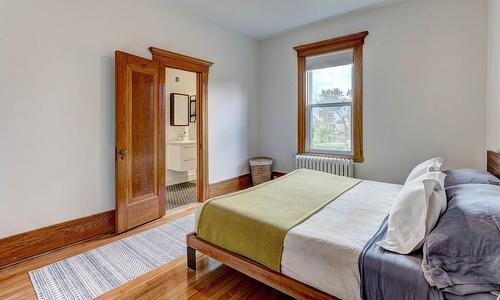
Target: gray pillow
{"type": "Point", "coordinates": [465, 176]}
{"type": "Point", "coordinates": [462, 253]}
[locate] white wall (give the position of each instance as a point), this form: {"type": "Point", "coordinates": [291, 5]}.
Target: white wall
{"type": "Point", "coordinates": [424, 85]}
{"type": "Point", "coordinates": [493, 104]}
{"type": "Point", "coordinates": [425, 74]}
{"type": "Point", "coordinates": [57, 100]}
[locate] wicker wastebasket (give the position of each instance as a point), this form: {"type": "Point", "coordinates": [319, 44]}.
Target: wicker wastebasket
{"type": "Point", "coordinates": [261, 169]}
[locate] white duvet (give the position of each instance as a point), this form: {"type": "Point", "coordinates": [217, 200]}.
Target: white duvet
{"type": "Point", "coordinates": [323, 251]}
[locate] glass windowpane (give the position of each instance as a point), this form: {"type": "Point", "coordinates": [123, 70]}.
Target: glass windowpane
{"type": "Point", "coordinates": [331, 128]}
{"type": "Point", "coordinates": [329, 90]}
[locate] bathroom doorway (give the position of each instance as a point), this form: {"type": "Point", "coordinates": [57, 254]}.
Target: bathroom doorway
{"type": "Point", "coordinates": [190, 137]}
{"type": "Point", "coordinates": [181, 139]}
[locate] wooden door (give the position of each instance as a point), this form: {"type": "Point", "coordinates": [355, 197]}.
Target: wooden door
{"type": "Point", "coordinates": [140, 150]}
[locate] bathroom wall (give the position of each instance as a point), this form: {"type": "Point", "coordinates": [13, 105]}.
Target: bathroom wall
{"type": "Point", "coordinates": [182, 82]}
{"type": "Point", "coordinates": [185, 85]}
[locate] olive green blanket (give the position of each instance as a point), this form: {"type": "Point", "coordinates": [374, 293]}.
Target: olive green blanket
{"type": "Point", "coordinates": [254, 222]}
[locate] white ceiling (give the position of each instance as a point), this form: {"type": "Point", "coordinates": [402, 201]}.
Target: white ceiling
{"type": "Point", "coordinates": [260, 19]}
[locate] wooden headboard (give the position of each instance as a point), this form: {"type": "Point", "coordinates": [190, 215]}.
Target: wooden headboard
{"type": "Point", "coordinates": [493, 163]}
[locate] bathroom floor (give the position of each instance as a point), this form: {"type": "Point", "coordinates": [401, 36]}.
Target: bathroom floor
{"type": "Point", "coordinates": [181, 194]}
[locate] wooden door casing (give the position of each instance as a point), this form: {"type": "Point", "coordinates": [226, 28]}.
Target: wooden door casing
{"type": "Point", "coordinates": [168, 59]}
{"type": "Point", "coordinates": [140, 152]}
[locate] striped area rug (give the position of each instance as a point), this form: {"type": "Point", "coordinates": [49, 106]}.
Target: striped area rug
{"type": "Point", "coordinates": [181, 194]}
{"type": "Point", "coordinates": [95, 272]}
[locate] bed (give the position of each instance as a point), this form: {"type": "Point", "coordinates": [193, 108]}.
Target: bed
{"type": "Point", "coordinates": [317, 262]}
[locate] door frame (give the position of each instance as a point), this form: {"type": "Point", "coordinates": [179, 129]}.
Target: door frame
{"type": "Point", "coordinates": [168, 59]}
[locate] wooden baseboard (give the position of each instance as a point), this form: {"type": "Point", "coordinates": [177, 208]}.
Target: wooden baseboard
{"type": "Point", "coordinates": [278, 174]}
{"type": "Point", "coordinates": [24, 245]}
{"type": "Point", "coordinates": [229, 185]}
{"type": "Point", "coordinates": [28, 244]}
{"type": "Point", "coordinates": [234, 184]}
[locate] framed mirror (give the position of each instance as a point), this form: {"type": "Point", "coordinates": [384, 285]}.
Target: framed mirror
{"type": "Point", "coordinates": [179, 109]}
{"type": "Point", "coordinates": [192, 109]}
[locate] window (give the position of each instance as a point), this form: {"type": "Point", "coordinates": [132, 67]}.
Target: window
{"type": "Point", "coordinates": [330, 97]}
{"type": "Point", "coordinates": [329, 101]}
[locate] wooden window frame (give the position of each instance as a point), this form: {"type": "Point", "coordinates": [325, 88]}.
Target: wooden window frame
{"type": "Point", "coordinates": [352, 41]}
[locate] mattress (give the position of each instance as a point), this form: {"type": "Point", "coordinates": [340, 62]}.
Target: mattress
{"type": "Point", "coordinates": [254, 222]}
{"type": "Point", "coordinates": [323, 251]}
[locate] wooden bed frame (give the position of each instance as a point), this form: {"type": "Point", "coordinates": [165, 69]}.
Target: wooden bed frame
{"type": "Point", "coordinates": [252, 269]}
{"type": "Point", "coordinates": [493, 163]}
{"type": "Point", "coordinates": [267, 276]}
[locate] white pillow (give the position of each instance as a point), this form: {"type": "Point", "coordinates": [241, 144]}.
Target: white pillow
{"type": "Point", "coordinates": [431, 165]}
{"type": "Point", "coordinates": [415, 212]}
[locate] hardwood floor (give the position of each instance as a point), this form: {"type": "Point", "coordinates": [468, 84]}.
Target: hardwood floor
{"type": "Point", "coordinates": [170, 281]}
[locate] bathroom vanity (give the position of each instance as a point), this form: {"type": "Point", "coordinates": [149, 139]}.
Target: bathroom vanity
{"type": "Point", "coordinates": [181, 155]}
